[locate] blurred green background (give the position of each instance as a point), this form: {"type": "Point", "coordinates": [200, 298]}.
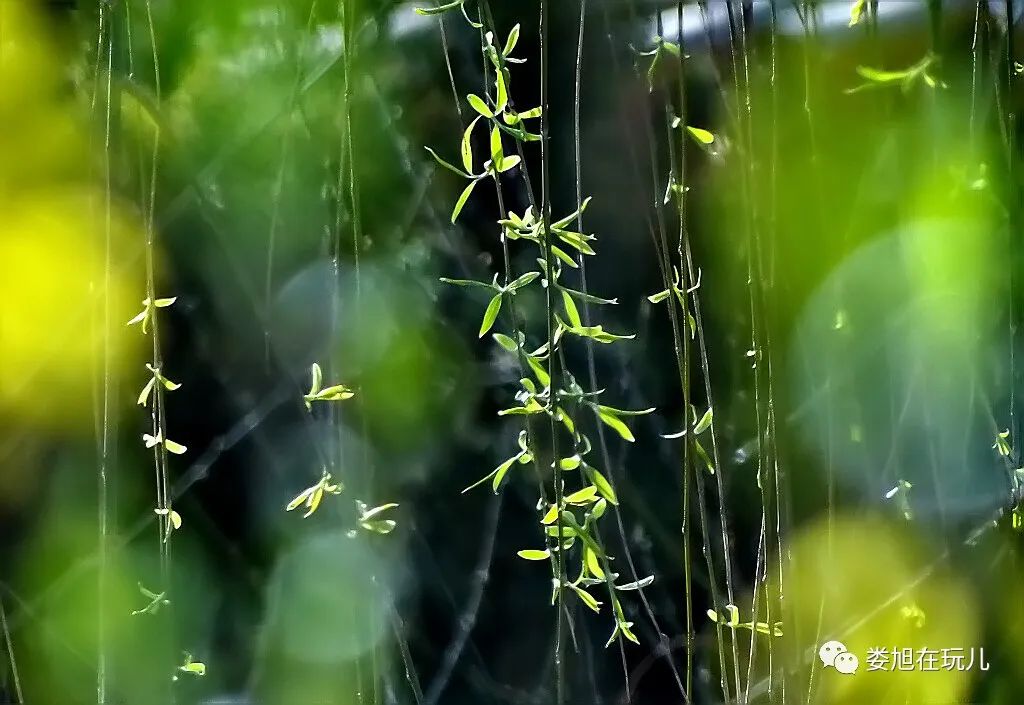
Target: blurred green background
{"type": "Point", "coordinates": [263, 161]}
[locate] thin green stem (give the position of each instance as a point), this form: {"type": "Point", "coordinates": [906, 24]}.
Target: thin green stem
{"type": "Point", "coordinates": [9, 647]}
{"type": "Point", "coordinates": [106, 450]}
{"type": "Point", "coordinates": [549, 290]}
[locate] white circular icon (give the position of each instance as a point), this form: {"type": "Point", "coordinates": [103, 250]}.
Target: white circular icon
{"type": "Point", "coordinates": [829, 650]}
{"type": "Point", "coordinates": [846, 662]}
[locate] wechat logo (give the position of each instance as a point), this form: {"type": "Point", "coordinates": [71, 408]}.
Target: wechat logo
{"type": "Point", "coordinates": [835, 654]}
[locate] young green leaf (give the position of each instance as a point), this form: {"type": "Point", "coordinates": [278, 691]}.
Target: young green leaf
{"type": "Point", "coordinates": [503, 468]}
{"type": "Point", "coordinates": [704, 423]}
{"type": "Point", "coordinates": [593, 563]}
{"type": "Point", "coordinates": [570, 310]}
{"type": "Point", "coordinates": [311, 496]}
{"type": "Point", "coordinates": [508, 163]}
{"type": "Point", "coordinates": [586, 598]}
{"type": "Point", "coordinates": [144, 395]}
{"type": "Point", "coordinates": [368, 518]}
{"type": "Point", "coordinates": [501, 101]}
{"type": "Point", "coordinates": [337, 392]}
{"type": "Point", "coordinates": [371, 513]}
{"type": "Point", "coordinates": [625, 412]}
{"type": "Point", "coordinates": [881, 75]}
{"type": "Point", "coordinates": [314, 500]}
{"type": "Point", "coordinates": [636, 585]}
{"type": "Point", "coordinates": [587, 495]}
{"type": "Point", "coordinates": [575, 240]}
{"type": "Point", "coordinates": [703, 455]}
{"type": "Point", "coordinates": [857, 11]}
{"type": "Point", "coordinates": [625, 628]}
{"type": "Point", "coordinates": [510, 43]}
{"type": "Point", "coordinates": [447, 165]}
{"type": "Point", "coordinates": [439, 9]}
{"type": "Point", "coordinates": [1002, 444]}
{"type": "Point", "coordinates": [763, 628]}
{"type": "Point", "coordinates": [490, 315]}
{"type": "Point", "coordinates": [140, 317]}
{"type": "Point", "coordinates": [570, 463]}
{"type": "Point", "coordinates": [599, 334]}
{"type": "Point", "coordinates": [522, 281]}
{"type": "Point", "coordinates": [562, 255]}
{"type": "Point", "coordinates": [496, 152]}
{"type": "Point", "coordinates": [567, 421]}
{"type": "Point", "coordinates": [539, 371]}
{"type": "Point", "coordinates": [172, 447]}
{"type": "Point", "coordinates": [590, 298]}
{"type": "Point", "coordinates": [465, 15]}
{"type": "Point", "coordinates": [462, 199]}
{"type": "Point", "coordinates": [505, 342]}
{"type": "Point", "coordinates": [532, 554]}
{"type": "Point", "coordinates": [299, 499]}
{"type": "Point", "coordinates": [732, 620]}
{"type": "Point", "coordinates": [156, 601]}
{"type": "Point", "coordinates": [702, 136]}
{"type": "Point", "coordinates": [317, 378]}
{"type": "Point", "coordinates": [567, 531]}
{"type": "Point", "coordinates": [466, 282]}
{"type": "Point", "coordinates": [383, 526]}
{"type": "Point", "coordinates": [466, 148]}
{"type": "Point", "coordinates": [564, 222]}
{"type": "Point", "coordinates": [659, 297]}
{"type": "Point", "coordinates": [193, 668]}
{"type": "Point", "coordinates": [616, 424]}
{"type": "Point", "coordinates": [604, 487]}
{"type": "Point", "coordinates": [479, 105]}
{"type": "Point", "coordinates": [501, 471]}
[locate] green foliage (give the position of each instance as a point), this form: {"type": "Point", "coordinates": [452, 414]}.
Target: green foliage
{"type": "Point", "coordinates": [156, 378]}
{"type": "Point", "coordinates": [906, 78]}
{"type": "Point", "coordinates": [570, 523]}
{"type": "Point", "coordinates": [156, 601]}
{"type": "Point", "coordinates": [701, 136]}
{"type": "Point", "coordinates": [1002, 444]}
{"type": "Point", "coordinates": [192, 667]}
{"type": "Point", "coordinates": [173, 522]}
{"type": "Point", "coordinates": [148, 310]}
{"type": "Point", "coordinates": [857, 10]}
{"type": "Point", "coordinates": [494, 107]}
{"type": "Point", "coordinates": [152, 441]}
{"type": "Point", "coordinates": [732, 621]}
{"type": "Point", "coordinates": [369, 518]}
{"type": "Point", "coordinates": [663, 50]}
{"type": "Point", "coordinates": [336, 392]}
{"type": "Point", "coordinates": [312, 495]}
